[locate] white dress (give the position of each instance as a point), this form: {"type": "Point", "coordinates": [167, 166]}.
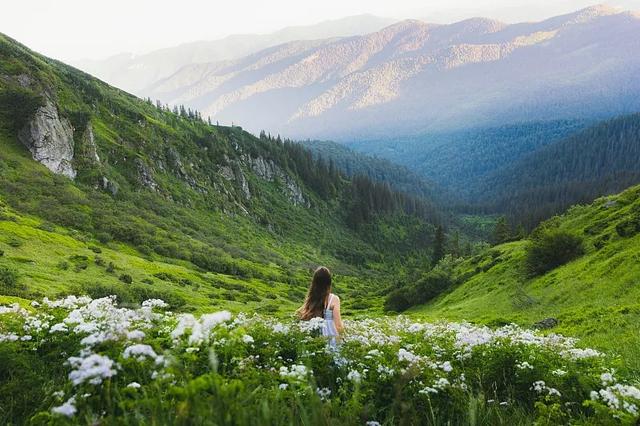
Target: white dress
{"type": "Point", "coordinates": [329, 329]}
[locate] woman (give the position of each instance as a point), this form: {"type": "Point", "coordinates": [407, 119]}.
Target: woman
{"type": "Point", "coordinates": [321, 303]}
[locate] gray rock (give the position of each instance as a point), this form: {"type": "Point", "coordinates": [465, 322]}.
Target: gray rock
{"type": "Point", "coordinates": [89, 143]}
{"type": "Point", "coordinates": [50, 140]}
{"type": "Point", "coordinates": [24, 80]}
{"type": "Point", "coordinates": [546, 323]}
{"type": "Point", "coordinates": [109, 186]}
{"type": "Point", "coordinates": [145, 175]}
{"type": "Point", "coordinates": [269, 171]}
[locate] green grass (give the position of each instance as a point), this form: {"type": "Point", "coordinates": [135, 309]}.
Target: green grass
{"type": "Point", "coordinates": [595, 297]}
{"type": "Point", "coordinates": [194, 224]}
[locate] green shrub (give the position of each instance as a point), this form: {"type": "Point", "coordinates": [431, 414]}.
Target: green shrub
{"type": "Point", "coordinates": [63, 265]}
{"type": "Point", "coordinates": [18, 106]}
{"type": "Point", "coordinates": [14, 242]}
{"type": "Point", "coordinates": [430, 286]}
{"type": "Point", "coordinates": [111, 267]}
{"type": "Point", "coordinates": [95, 249]}
{"type": "Point", "coordinates": [398, 300]}
{"type": "Point", "coordinates": [164, 276]}
{"type": "Point", "coordinates": [551, 248]}
{"type": "Point", "coordinates": [46, 226]}
{"type": "Point", "coordinates": [126, 278]}
{"type": "Point", "coordinates": [99, 290]}
{"type": "Point", "coordinates": [140, 294]}
{"type": "Point", "coordinates": [80, 266]}
{"type": "Point", "coordinates": [1, 252]}
{"type": "Point", "coordinates": [99, 261]}
{"type": "Point", "coordinates": [8, 277]}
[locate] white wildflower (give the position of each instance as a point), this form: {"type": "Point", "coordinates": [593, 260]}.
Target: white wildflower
{"type": "Point", "coordinates": [154, 303]}
{"type": "Point", "coordinates": [296, 372]}
{"type": "Point", "coordinates": [405, 355]}
{"type": "Point", "coordinates": [140, 352]}
{"type": "Point", "coordinates": [67, 409]}
{"type": "Point", "coordinates": [354, 376]}
{"type": "Point", "coordinates": [135, 335]}
{"type": "Point", "coordinates": [323, 393]}
{"type": "Point", "coordinates": [59, 328]}
{"type": "Point", "coordinates": [93, 368]}
{"type": "Point", "coordinates": [524, 365]}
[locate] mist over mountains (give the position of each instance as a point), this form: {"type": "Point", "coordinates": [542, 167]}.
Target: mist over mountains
{"type": "Point", "coordinates": [414, 77]}
{"type": "Point", "coordinates": [135, 72]}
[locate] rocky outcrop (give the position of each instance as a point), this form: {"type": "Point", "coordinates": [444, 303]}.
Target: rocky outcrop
{"type": "Point", "coordinates": [145, 175]}
{"type": "Point", "coordinates": [49, 137]}
{"type": "Point", "coordinates": [229, 174]}
{"type": "Point", "coordinates": [89, 145]}
{"type": "Point", "coordinates": [270, 171]}
{"type": "Point", "coordinates": [546, 324]}
{"type": "Point", "coordinates": [109, 186]}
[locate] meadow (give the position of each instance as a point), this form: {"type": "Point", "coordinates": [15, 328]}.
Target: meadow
{"type": "Point", "coordinates": [90, 361]}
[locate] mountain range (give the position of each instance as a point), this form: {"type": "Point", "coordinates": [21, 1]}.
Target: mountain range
{"type": "Point", "coordinates": [133, 73]}
{"type": "Point", "coordinates": [414, 77]}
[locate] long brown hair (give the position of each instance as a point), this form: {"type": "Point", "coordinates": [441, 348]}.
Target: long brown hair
{"type": "Point", "coordinates": [317, 295]}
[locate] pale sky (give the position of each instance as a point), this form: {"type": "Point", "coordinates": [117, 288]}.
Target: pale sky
{"type": "Point", "coordinates": [75, 29]}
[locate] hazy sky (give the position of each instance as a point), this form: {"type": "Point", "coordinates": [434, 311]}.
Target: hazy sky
{"type": "Point", "coordinates": [74, 29]}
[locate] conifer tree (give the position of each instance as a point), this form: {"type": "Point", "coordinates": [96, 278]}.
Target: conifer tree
{"type": "Point", "coordinates": [502, 232]}
{"type": "Point", "coordinates": [438, 245]}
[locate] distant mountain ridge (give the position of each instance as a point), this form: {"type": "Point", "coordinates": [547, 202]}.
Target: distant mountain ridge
{"type": "Point", "coordinates": [412, 77]}
{"type": "Point", "coordinates": [135, 72]}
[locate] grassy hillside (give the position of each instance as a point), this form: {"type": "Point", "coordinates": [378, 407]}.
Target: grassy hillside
{"type": "Point", "coordinates": [197, 213]}
{"type": "Point", "coordinates": [595, 297]}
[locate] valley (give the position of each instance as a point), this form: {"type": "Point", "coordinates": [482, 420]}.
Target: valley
{"type": "Point", "coordinates": [474, 188]}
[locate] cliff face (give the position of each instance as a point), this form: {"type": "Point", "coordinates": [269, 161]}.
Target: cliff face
{"type": "Point", "coordinates": [49, 138]}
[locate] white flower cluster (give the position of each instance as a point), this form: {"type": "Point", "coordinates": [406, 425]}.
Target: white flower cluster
{"type": "Point", "coordinates": [314, 324]}
{"type": "Point", "coordinates": [435, 354]}
{"type": "Point", "coordinates": [295, 372]}
{"type": "Point", "coordinates": [541, 387]}
{"type": "Point", "coordinates": [355, 376]}
{"type": "Point", "coordinates": [155, 303]}
{"type": "Point", "coordinates": [524, 365]}
{"type": "Point", "coordinates": [14, 308]}
{"type": "Point", "coordinates": [67, 409]}
{"type": "Point", "coordinates": [92, 368]}
{"type": "Point", "coordinates": [141, 353]}
{"type": "Point", "coordinates": [323, 393]}
{"type": "Point", "coordinates": [619, 397]}
{"type": "Point", "coordinates": [439, 385]}
{"type": "Point", "coordinates": [199, 329]}
{"type": "Point", "coordinates": [405, 355]}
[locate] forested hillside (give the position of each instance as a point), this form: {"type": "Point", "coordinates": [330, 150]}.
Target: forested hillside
{"type": "Point", "coordinates": [460, 161]}
{"type": "Point", "coordinates": [602, 159]}
{"type": "Point", "coordinates": [354, 163]}
{"type": "Point", "coordinates": [132, 199]}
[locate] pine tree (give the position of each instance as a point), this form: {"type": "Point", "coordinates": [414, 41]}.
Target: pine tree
{"type": "Point", "coordinates": [438, 245]}
{"type": "Point", "coordinates": [455, 245]}
{"type": "Point", "coordinates": [502, 232]}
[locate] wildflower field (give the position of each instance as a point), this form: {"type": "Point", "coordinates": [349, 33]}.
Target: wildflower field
{"type": "Point", "coordinates": [83, 361]}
